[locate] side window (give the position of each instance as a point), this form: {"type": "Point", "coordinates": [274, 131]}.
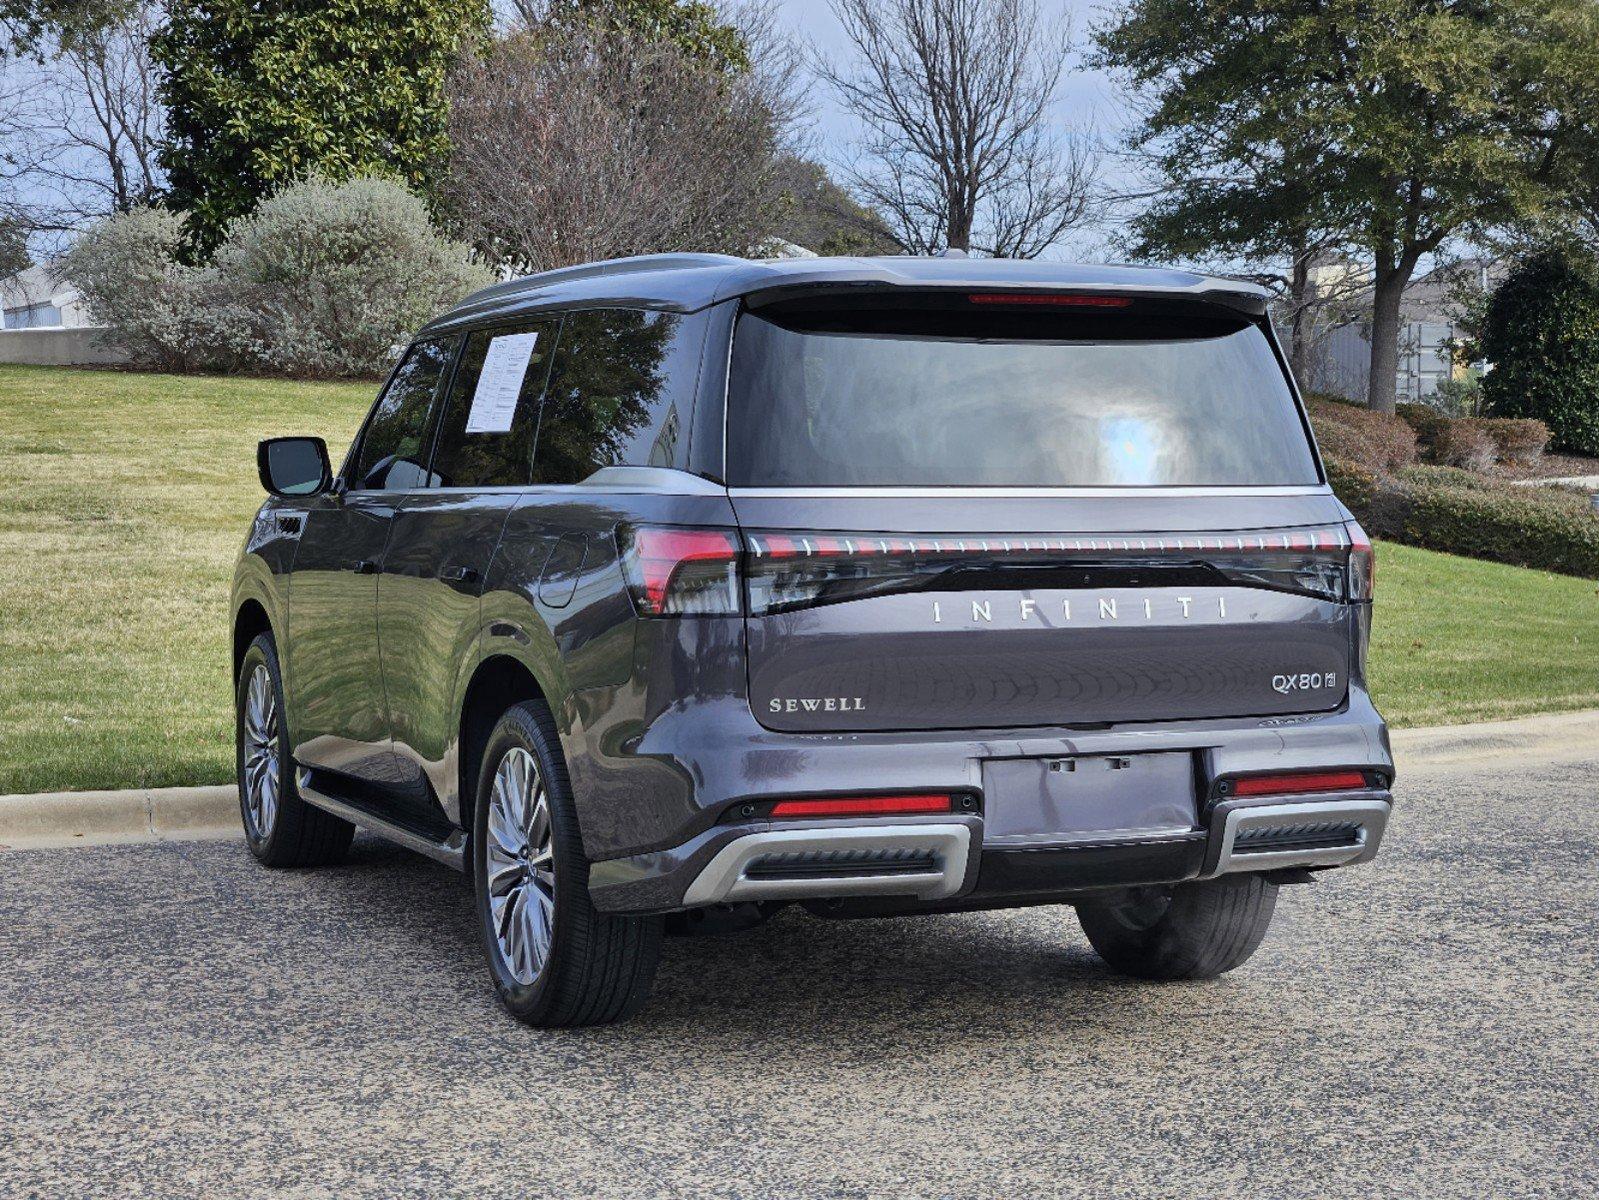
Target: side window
{"type": "Point", "coordinates": [486, 436]}
{"type": "Point", "coordinates": [620, 393]}
{"type": "Point", "coordinates": [391, 447]}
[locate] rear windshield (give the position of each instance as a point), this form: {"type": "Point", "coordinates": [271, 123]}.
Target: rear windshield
{"type": "Point", "coordinates": [1016, 399]}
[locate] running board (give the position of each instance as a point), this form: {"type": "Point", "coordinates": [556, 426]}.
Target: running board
{"type": "Point", "coordinates": [451, 852]}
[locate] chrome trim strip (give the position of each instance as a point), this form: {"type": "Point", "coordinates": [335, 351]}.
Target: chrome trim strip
{"type": "Point", "coordinates": [723, 878]}
{"type": "Point", "coordinates": [1370, 814]}
{"type": "Point", "coordinates": [451, 853]}
{"type": "Point", "coordinates": [1028, 493]}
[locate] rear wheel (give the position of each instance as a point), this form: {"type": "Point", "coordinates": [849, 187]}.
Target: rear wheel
{"type": "Point", "coordinates": [554, 959]}
{"type": "Point", "coordinates": [1190, 931]}
{"type": "Point", "coordinates": [282, 830]}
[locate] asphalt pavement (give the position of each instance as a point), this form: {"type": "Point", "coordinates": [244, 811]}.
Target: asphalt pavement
{"type": "Point", "coordinates": [178, 1021]}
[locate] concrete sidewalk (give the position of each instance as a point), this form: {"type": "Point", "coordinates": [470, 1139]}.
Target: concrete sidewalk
{"type": "Point", "coordinates": [54, 819]}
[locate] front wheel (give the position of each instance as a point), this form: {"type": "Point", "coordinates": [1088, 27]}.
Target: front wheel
{"type": "Point", "coordinates": [281, 829]}
{"type": "Point", "coordinates": [1190, 931]}
{"type": "Point", "coordinates": [554, 958]}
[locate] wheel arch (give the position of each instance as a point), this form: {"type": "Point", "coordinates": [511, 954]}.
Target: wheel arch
{"type": "Point", "coordinates": [250, 621]}
{"type": "Point", "coordinates": [498, 682]}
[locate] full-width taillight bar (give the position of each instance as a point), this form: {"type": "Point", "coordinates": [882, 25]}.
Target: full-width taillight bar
{"type": "Point", "coordinates": [801, 545]}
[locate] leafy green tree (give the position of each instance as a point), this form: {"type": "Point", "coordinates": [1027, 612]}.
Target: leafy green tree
{"type": "Point", "coordinates": [1403, 123]}
{"type": "Point", "coordinates": [1540, 331]}
{"type": "Point", "coordinates": [27, 25]}
{"type": "Point", "coordinates": [261, 95]}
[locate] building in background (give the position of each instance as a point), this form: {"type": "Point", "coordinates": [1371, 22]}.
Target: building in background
{"type": "Point", "coordinates": [1428, 334]}
{"type": "Point", "coordinates": [38, 299]}
{"type": "Point", "coordinates": [43, 322]}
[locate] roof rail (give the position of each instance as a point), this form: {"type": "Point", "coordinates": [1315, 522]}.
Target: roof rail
{"type": "Point", "coordinates": [612, 266]}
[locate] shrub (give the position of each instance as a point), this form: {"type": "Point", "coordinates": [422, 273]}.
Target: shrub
{"type": "Point", "coordinates": [1457, 512]}
{"type": "Point", "coordinates": [166, 315]}
{"type": "Point", "coordinates": [1541, 332]}
{"type": "Point", "coordinates": [1428, 422]}
{"type": "Point", "coordinates": [1516, 439]}
{"type": "Point", "coordinates": [1376, 442]}
{"type": "Point", "coordinates": [1463, 442]}
{"type": "Point", "coordinates": [1351, 483]}
{"type": "Point", "coordinates": [336, 276]}
{"type": "Point", "coordinates": [1460, 397]}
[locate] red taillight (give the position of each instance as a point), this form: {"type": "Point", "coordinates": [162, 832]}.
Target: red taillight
{"type": "Point", "coordinates": [1309, 781]}
{"type": "Point", "coordinates": [863, 806]}
{"type": "Point", "coordinates": [1362, 564]}
{"type": "Point", "coordinates": [673, 571]}
{"type": "Point", "coordinates": [1049, 300]}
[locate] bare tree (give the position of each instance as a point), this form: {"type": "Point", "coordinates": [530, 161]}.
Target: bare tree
{"type": "Point", "coordinates": [79, 136]}
{"type": "Point", "coordinates": [567, 147]}
{"type": "Point", "coordinates": [955, 98]}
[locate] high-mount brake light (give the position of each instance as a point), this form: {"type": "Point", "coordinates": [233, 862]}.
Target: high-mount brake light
{"type": "Point", "coordinates": [673, 571]}
{"type": "Point", "coordinates": [1049, 300]}
{"type": "Point", "coordinates": [1300, 783]}
{"type": "Point", "coordinates": [864, 806]}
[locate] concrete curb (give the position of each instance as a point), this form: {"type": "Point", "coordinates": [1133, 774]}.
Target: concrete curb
{"type": "Point", "coordinates": [53, 819]}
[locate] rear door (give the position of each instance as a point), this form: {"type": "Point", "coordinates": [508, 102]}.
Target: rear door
{"type": "Point", "coordinates": [443, 539]}
{"type": "Point", "coordinates": [970, 515]}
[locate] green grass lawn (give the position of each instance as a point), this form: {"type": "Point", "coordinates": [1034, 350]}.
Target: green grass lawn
{"type": "Point", "coordinates": [1457, 640]}
{"type": "Point", "coordinates": [124, 499]}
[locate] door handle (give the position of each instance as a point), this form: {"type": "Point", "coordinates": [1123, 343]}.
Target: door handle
{"type": "Point", "coordinates": [366, 567]}
{"type": "Point", "coordinates": [458, 575]}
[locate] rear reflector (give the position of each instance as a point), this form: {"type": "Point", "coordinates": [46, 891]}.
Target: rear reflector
{"type": "Point", "coordinates": [862, 806]}
{"type": "Point", "coordinates": [1046, 299]}
{"type": "Point", "coordinates": [1283, 785]}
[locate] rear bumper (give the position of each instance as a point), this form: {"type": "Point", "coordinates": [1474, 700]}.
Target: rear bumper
{"type": "Point", "coordinates": [708, 862]}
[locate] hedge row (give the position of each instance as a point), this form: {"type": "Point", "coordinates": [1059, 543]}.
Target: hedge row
{"type": "Point", "coordinates": [1458, 512]}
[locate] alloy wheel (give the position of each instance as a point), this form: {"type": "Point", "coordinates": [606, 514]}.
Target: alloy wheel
{"type": "Point", "coordinates": [261, 757]}
{"type": "Point", "coordinates": [519, 862]}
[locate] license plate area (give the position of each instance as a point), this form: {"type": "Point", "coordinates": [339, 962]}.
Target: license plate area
{"type": "Point", "coordinates": [1086, 798]}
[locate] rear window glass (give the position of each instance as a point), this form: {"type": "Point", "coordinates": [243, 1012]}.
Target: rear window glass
{"type": "Point", "coordinates": [1010, 399]}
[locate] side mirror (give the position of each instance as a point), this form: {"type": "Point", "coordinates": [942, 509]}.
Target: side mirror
{"type": "Point", "coordinates": [294, 466]}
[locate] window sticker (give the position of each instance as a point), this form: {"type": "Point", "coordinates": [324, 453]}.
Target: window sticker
{"type": "Point", "coordinates": [499, 386]}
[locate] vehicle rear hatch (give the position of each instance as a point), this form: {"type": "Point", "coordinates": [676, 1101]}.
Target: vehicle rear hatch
{"type": "Point", "coordinates": [963, 513]}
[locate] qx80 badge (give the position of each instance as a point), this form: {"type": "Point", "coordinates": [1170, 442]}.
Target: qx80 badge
{"type": "Point", "coordinates": [1103, 608]}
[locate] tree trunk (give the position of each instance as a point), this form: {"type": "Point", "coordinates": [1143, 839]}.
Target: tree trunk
{"type": "Point", "coordinates": [1387, 293]}
{"type": "Point", "coordinates": [1299, 306]}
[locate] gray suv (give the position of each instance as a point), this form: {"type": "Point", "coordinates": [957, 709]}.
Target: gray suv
{"type": "Point", "coordinates": [658, 594]}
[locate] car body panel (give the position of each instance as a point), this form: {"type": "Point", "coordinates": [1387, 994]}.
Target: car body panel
{"type": "Point", "coordinates": [336, 711]}
{"type": "Point", "coordinates": [666, 723]}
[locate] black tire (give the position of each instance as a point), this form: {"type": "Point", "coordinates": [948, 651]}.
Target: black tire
{"type": "Point", "coordinates": [598, 968]}
{"type": "Point", "coordinates": [298, 835]}
{"type": "Point", "coordinates": [1191, 931]}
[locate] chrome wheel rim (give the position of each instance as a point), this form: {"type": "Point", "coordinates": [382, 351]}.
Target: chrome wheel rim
{"type": "Point", "coordinates": [519, 860]}
{"type": "Point", "coordinates": [261, 758]}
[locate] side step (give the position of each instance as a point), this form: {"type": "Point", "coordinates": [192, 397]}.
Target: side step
{"type": "Point", "coordinates": [451, 852]}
